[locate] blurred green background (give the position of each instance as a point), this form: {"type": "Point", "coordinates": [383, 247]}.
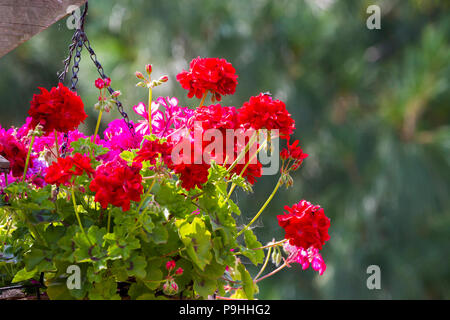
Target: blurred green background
{"type": "Point", "coordinates": [371, 109]}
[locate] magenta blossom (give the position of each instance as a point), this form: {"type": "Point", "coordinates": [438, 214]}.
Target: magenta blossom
{"type": "Point", "coordinates": [164, 122]}
{"type": "Point", "coordinates": [305, 257]}
{"type": "Point", "coordinates": [118, 138]}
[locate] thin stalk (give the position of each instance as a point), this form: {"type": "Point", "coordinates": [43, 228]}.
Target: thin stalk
{"type": "Point", "coordinates": [109, 220]}
{"type": "Point", "coordinates": [56, 143]}
{"type": "Point", "coordinates": [150, 109]}
{"type": "Point", "coordinates": [98, 124]}
{"type": "Point", "coordinates": [78, 216]}
{"type": "Point", "coordinates": [243, 152]}
{"type": "Point", "coordinates": [264, 265]}
{"type": "Point", "coordinates": [145, 195]}
{"type": "Point", "coordinates": [272, 273]}
{"type": "Point", "coordinates": [203, 99]}
{"type": "Point", "coordinates": [262, 208]}
{"type": "Point", "coordinates": [233, 186]}
{"type": "Point", "coordinates": [27, 162]}
{"type": "Point", "coordinates": [275, 244]}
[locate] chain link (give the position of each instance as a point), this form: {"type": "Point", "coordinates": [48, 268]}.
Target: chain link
{"type": "Point", "coordinates": [80, 39]}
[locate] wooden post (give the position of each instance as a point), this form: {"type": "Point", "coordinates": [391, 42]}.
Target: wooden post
{"type": "Point", "coordinates": [22, 19]}
{"type": "Point", "coordinates": [4, 168]}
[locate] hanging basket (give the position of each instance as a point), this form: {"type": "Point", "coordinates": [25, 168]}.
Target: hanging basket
{"type": "Point", "coordinates": [146, 211]}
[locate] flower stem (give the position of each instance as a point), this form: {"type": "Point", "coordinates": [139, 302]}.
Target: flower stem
{"type": "Point", "coordinates": [109, 221]}
{"type": "Point", "coordinates": [56, 144]}
{"type": "Point", "coordinates": [243, 152]}
{"type": "Point", "coordinates": [150, 109]}
{"type": "Point", "coordinates": [146, 195]}
{"type": "Point", "coordinates": [262, 208]}
{"type": "Point", "coordinates": [27, 162]}
{"type": "Point", "coordinates": [272, 273]}
{"type": "Point", "coordinates": [274, 244]}
{"type": "Point", "coordinates": [233, 186]}
{"type": "Point", "coordinates": [203, 99]}
{"type": "Point", "coordinates": [264, 265]}
{"type": "Point", "coordinates": [98, 124]}
{"type": "Point", "coordinates": [78, 216]}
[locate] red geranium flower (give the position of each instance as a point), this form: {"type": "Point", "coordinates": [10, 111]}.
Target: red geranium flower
{"type": "Point", "coordinates": [306, 225]}
{"type": "Point", "coordinates": [215, 117]}
{"type": "Point", "coordinates": [170, 265]}
{"type": "Point", "coordinates": [117, 183]}
{"type": "Point", "coordinates": [294, 153]}
{"type": "Point", "coordinates": [262, 112]}
{"type": "Point", "coordinates": [15, 152]}
{"type": "Point", "coordinates": [151, 150]}
{"type": "Point", "coordinates": [253, 171]}
{"type": "Point", "coordinates": [213, 74]}
{"type": "Point", "coordinates": [82, 164]}
{"type": "Point", "coordinates": [101, 83]}
{"type": "Point", "coordinates": [192, 173]}
{"type": "Point", "coordinates": [58, 109]}
{"type": "Point", "coordinates": [62, 170]}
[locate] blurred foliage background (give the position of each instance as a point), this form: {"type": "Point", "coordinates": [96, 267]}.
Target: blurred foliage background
{"type": "Point", "coordinates": [371, 109]}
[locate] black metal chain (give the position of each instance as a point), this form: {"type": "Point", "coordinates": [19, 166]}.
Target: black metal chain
{"type": "Point", "coordinates": [102, 74]}
{"type": "Point", "coordinates": [80, 39]}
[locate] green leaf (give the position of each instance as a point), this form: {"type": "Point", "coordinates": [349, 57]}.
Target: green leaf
{"type": "Point", "coordinates": [247, 281]}
{"type": "Point", "coordinates": [197, 240]}
{"type": "Point", "coordinates": [23, 275]}
{"type": "Point", "coordinates": [251, 242]}
{"type": "Point", "coordinates": [154, 275]}
{"type": "Point", "coordinates": [136, 267]}
{"type": "Point", "coordinates": [159, 234]}
{"type": "Point", "coordinates": [33, 258]}
{"type": "Point", "coordinates": [205, 287]}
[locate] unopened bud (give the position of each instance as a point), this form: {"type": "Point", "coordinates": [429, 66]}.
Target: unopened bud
{"type": "Point", "coordinates": [164, 79]}
{"type": "Point", "coordinates": [115, 94]}
{"type": "Point", "coordinates": [170, 288]}
{"type": "Point", "coordinates": [141, 84]}
{"type": "Point", "coordinates": [139, 75]}
{"type": "Point", "coordinates": [148, 68]}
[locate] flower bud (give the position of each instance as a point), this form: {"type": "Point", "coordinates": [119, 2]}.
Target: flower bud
{"type": "Point", "coordinates": [170, 288]}
{"type": "Point", "coordinates": [164, 79]}
{"type": "Point", "coordinates": [141, 84]}
{"type": "Point", "coordinates": [107, 82]}
{"type": "Point", "coordinates": [170, 265]}
{"type": "Point", "coordinates": [276, 258]}
{"type": "Point", "coordinates": [139, 75]}
{"type": "Point", "coordinates": [148, 68]}
{"type": "Point", "coordinates": [115, 94]}
{"type": "Point", "coordinates": [99, 83]}
{"type": "Point", "coordinates": [179, 271]}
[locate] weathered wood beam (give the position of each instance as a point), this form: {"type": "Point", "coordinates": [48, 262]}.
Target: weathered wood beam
{"type": "Point", "coordinates": [22, 19]}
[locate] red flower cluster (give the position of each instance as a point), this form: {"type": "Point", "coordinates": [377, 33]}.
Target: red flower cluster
{"type": "Point", "coordinates": [294, 153]}
{"type": "Point", "coordinates": [192, 173]}
{"type": "Point", "coordinates": [209, 74]}
{"type": "Point", "coordinates": [62, 170]}
{"type": "Point", "coordinates": [117, 183]}
{"type": "Point", "coordinates": [151, 150]}
{"type": "Point", "coordinates": [216, 117]}
{"type": "Point", "coordinates": [60, 109]}
{"type": "Point", "coordinates": [102, 83]}
{"type": "Point", "coordinates": [262, 112]}
{"type": "Point", "coordinates": [253, 171]}
{"type": "Point", "coordinates": [306, 225]}
{"type": "Point", "coordinates": [15, 152]}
